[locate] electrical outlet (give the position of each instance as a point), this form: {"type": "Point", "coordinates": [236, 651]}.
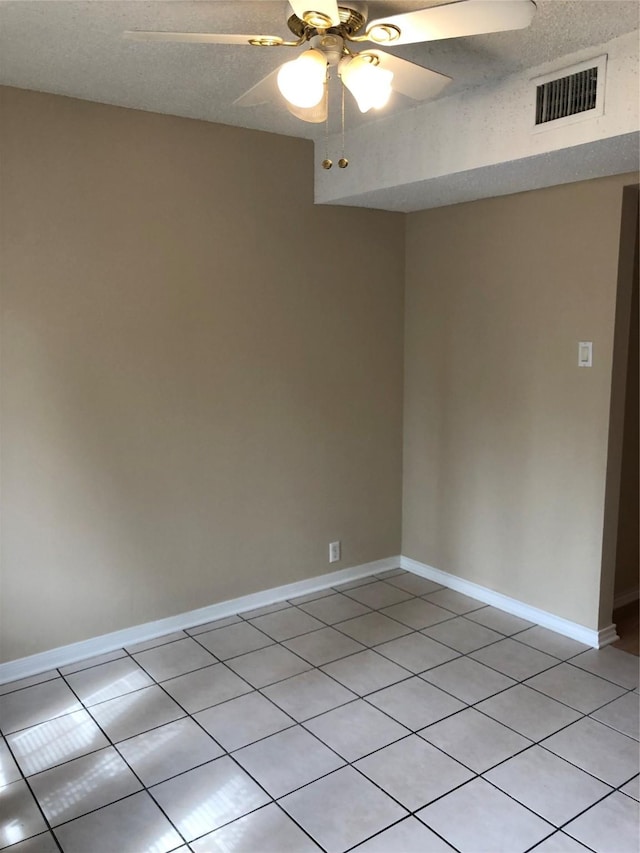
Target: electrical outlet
{"type": "Point", "coordinates": [334, 552]}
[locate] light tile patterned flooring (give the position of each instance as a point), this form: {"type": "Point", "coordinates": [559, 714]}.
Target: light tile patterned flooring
{"type": "Point", "coordinates": [387, 716]}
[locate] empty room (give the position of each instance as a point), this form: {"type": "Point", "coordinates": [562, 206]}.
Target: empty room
{"type": "Point", "coordinates": [319, 426]}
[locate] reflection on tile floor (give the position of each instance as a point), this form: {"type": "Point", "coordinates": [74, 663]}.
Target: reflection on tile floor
{"type": "Point", "coordinates": [384, 716]}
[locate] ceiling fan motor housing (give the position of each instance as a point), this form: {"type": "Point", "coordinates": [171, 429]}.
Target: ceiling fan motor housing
{"type": "Point", "coordinates": [350, 22]}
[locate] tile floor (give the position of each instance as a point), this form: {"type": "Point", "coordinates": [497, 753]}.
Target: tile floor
{"type": "Point", "coordinates": [386, 716]}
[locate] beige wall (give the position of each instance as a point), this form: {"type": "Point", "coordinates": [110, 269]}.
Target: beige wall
{"type": "Point", "coordinates": [194, 402]}
{"type": "Point", "coordinates": [505, 450]}
{"type": "Point", "coordinates": [193, 405]}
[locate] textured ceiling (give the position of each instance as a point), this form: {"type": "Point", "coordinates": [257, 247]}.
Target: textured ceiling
{"type": "Point", "coordinates": [76, 48]}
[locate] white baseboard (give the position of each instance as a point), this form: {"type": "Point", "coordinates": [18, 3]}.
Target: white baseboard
{"type": "Point", "coordinates": [34, 664]}
{"type": "Point", "coordinates": [588, 636]}
{"type": "Point", "coordinates": [626, 597]}
{"type": "Point", "coordinates": [606, 636]}
{"type": "Point", "coordinates": [63, 655]}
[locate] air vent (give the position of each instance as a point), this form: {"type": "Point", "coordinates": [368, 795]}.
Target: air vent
{"type": "Point", "coordinates": [570, 95]}
{"type": "Point", "coordinates": [567, 96]}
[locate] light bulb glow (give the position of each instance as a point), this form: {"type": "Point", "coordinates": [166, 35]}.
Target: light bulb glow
{"type": "Point", "coordinates": [316, 114]}
{"type": "Point", "coordinates": [302, 80]}
{"type": "Point", "coordinates": [369, 84]}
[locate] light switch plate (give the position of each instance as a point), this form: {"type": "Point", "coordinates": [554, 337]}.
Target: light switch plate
{"type": "Point", "coordinates": [585, 353]}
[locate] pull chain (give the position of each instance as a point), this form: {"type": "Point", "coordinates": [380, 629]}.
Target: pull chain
{"type": "Point", "coordinates": [327, 163]}
{"type": "Point", "coordinates": [343, 162]}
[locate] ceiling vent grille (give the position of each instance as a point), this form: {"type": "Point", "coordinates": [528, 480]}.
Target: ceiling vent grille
{"type": "Point", "coordinates": [567, 96]}
{"type": "Point", "coordinates": [573, 94]}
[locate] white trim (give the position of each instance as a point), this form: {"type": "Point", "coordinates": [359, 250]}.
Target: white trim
{"type": "Point", "coordinates": [606, 636]}
{"type": "Point", "coordinates": [589, 636]}
{"type": "Point", "coordinates": [34, 664]}
{"type": "Point", "coordinates": [626, 597]}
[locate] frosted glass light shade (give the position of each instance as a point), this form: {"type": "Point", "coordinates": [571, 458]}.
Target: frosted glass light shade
{"type": "Point", "coordinates": [369, 84]}
{"type": "Point", "coordinates": [316, 114]}
{"type": "Point", "coordinates": [302, 80]}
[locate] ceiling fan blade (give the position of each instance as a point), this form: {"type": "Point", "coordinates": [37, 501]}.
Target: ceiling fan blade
{"type": "Point", "coordinates": [461, 18]}
{"type": "Point", "coordinates": [264, 91]}
{"type": "Point", "coordinates": [200, 38]}
{"type": "Point", "coordinates": [328, 9]}
{"type": "Point", "coordinates": [410, 79]}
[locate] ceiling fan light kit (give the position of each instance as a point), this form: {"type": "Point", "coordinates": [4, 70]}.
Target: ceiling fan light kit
{"type": "Point", "coordinates": [302, 80]}
{"type": "Point", "coordinates": [370, 76]}
{"type": "Point", "coordinates": [369, 84]}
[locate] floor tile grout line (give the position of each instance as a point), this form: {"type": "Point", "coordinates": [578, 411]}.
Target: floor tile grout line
{"type": "Point", "coordinates": [336, 627]}
{"type": "Point", "coordinates": [231, 657]}
{"type": "Point", "coordinates": [557, 827]}
{"type": "Point", "coordinates": [25, 779]}
{"type": "Point", "coordinates": [299, 825]}
{"type": "Point", "coordinates": [356, 697]}
{"type": "Point", "coordinates": [326, 625]}
{"type": "Point", "coordinates": [549, 696]}
{"type": "Point", "coordinates": [542, 651]}
{"type": "Point", "coordinates": [327, 592]}
{"type": "Point", "coordinates": [555, 658]}
{"type": "Point", "coordinates": [240, 616]}
{"type": "Point", "coordinates": [339, 622]}
{"type": "Point", "coordinates": [248, 620]}
{"type": "Point", "coordinates": [608, 725]}
{"type": "Point", "coordinates": [538, 742]}
{"type": "Point", "coordinates": [525, 682]}
{"type": "Point", "coordinates": [410, 629]}
{"type": "Point", "coordinates": [373, 581]}
{"type": "Point", "coordinates": [356, 768]}
{"type": "Point", "coordinates": [148, 789]}
{"type": "Point", "coordinates": [90, 666]}
{"type": "Point", "coordinates": [355, 847]}
{"type": "Point", "coordinates": [409, 732]}
{"type": "Point", "coordinates": [91, 752]}
{"type": "Point", "coordinates": [527, 627]}
{"type": "Point", "coordinates": [595, 675]}
{"type": "Point", "coordinates": [517, 680]}
{"type": "Point", "coordinates": [413, 812]}
{"type": "Point", "coordinates": [364, 698]}
{"type": "Point", "coordinates": [507, 726]}
{"type": "Point", "coordinates": [411, 674]}
{"type": "Point", "coordinates": [449, 646]}
{"type": "Point", "coordinates": [42, 832]}
{"type": "Point", "coordinates": [27, 686]}
{"type": "Point", "coordinates": [229, 755]}
{"type": "Point", "coordinates": [538, 843]}
{"type": "Point", "coordinates": [555, 832]}
{"type": "Point", "coordinates": [578, 767]}
{"type": "Point", "coordinates": [129, 796]}
{"type": "Point", "coordinates": [124, 760]}
{"type": "Point", "coordinates": [629, 690]}
{"type": "Point", "coordinates": [304, 605]}
{"type": "Point", "coordinates": [272, 802]}
{"type": "Point", "coordinates": [562, 826]}
{"type": "Point", "coordinates": [213, 626]}
{"type": "Point", "coordinates": [191, 715]}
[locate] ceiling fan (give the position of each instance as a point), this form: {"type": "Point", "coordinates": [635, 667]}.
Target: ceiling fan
{"type": "Point", "coordinates": [332, 34]}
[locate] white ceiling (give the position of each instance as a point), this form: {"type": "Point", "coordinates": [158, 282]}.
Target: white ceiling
{"type": "Point", "coordinates": [75, 48]}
